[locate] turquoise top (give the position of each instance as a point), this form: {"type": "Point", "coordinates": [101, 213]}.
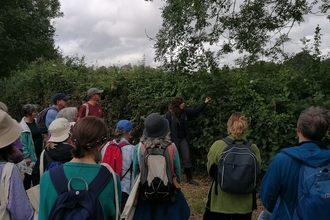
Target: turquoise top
{"type": "Point", "coordinates": [88, 172]}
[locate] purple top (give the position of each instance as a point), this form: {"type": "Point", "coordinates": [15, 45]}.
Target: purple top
{"type": "Point", "coordinates": [19, 155]}
{"type": "Point", "coordinates": [19, 205]}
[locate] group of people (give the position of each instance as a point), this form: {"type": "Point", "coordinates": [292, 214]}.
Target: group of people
{"type": "Point", "coordinates": [76, 139]}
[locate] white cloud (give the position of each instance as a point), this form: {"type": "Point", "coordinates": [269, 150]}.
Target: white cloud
{"type": "Point", "coordinates": [114, 32]}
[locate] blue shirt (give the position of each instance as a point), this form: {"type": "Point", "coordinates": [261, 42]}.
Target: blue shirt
{"type": "Point", "coordinates": [50, 116]}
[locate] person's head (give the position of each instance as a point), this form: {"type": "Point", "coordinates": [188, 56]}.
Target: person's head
{"type": "Point", "coordinates": [89, 135]}
{"type": "Point", "coordinates": [70, 113]}
{"type": "Point", "coordinates": [60, 100]}
{"type": "Point", "coordinates": [3, 107]}
{"type": "Point", "coordinates": [30, 110]}
{"type": "Point", "coordinates": [10, 131]}
{"type": "Point", "coordinates": [177, 105]}
{"type": "Point", "coordinates": [59, 130]}
{"type": "Point", "coordinates": [94, 93]}
{"type": "Point", "coordinates": [313, 124]}
{"type": "Point", "coordinates": [123, 129]}
{"type": "Point", "coordinates": [237, 124]}
{"type": "Point", "coordinates": [156, 131]}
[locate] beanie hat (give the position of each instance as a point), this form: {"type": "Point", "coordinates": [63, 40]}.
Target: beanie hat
{"type": "Point", "coordinates": [10, 130]}
{"type": "Point", "coordinates": [155, 126]}
{"type": "Point", "coordinates": [125, 124]}
{"type": "Point", "coordinates": [59, 130]}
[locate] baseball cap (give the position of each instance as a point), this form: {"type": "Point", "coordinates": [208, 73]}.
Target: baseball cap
{"type": "Point", "coordinates": [60, 96]}
{"type": "Point", "coordinates": [125, 124]}
{"type": "Point", "coordinates": [93, 91]}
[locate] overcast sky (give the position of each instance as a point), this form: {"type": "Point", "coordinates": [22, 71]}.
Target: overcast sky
{"type": "Point", "coordinates": [112, 32]}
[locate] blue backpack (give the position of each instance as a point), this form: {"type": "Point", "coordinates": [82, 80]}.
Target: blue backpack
{"type": "Point", "coordinates": [313, 193]}
{"type": "Point", "coordinates": [77, 204]}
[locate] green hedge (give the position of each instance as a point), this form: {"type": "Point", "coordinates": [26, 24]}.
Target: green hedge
{"type": "Point", "coordinates": [270, 95]}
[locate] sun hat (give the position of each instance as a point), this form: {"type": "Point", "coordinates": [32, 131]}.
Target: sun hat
{"type": "Point", "coordinates": [155, 126]}
{"type": "Point", "coordinates": [60, 96]}
{"type": "Point", "coordinates": [93, 91]}
{"type": "Point", "coordinates": [59, 130]}
{"type": "Point", "coordinates": [10, 130]}
{"type": "Point", "coordinates": [125, 124]}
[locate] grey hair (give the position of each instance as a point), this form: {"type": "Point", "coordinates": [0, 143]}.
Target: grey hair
{"type": "Point", "coordinates": [3, 107]}
{"type": "Point", "coordinates": [314, 122]}
{"type": "Point", "coordinates": [69, 113]}
{"type": "Point", "coordinates": [160, 142]}
{"type": "Point", "coordinates": [28, 109]}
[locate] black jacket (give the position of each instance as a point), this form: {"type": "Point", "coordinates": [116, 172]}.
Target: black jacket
{"type": "Point", "coordinates": [187, 114]}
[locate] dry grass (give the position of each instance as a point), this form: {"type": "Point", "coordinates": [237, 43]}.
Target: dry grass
{"type": "Point", "coordinates": [196, 197]}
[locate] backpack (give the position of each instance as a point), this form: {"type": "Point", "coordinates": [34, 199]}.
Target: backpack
{"type": "Point", "coordinates": [157, 170]}
{"type": "Point", "coordinates": [313, 193]}
{"type": "Point", "coordinates": [238, 167]}
{"type": "Point", "coordinates": [4, 190]}
{"type": "Point", "coordinates": [80, 204]}
{"type": "Point", "coordinates": [41, 119]}
{"type": "Point", "coordinates": [114, 157]}
{"type": "Point", "coordinates": [47, 162]}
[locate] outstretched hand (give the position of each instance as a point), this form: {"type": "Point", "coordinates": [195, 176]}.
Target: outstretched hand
{"type": "Point", "coordinates": [208, 99]}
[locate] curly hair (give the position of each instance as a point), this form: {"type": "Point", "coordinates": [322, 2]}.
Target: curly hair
{"type": "Point", "coordinates": [175, 106]}
{"type": "Point", "coordinates": [160, 142]}
{"type": "Point", "coordinates": [237, 124]}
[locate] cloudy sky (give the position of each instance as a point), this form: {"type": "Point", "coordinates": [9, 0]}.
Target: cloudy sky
{"type": "Point", "coordinates": [113, 32]}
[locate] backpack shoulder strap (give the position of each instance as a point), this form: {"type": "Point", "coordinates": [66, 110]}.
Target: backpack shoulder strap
{"type": "Point", "coordinates": [59, 179]}
{"type": "Point", "coordinates": [115, 186]}
{"type": "Point", "coordinates": [100, 181]}
{"type": "Point", "coordinates": [41, 165]}
{"type": "Point", "coordinates": [87, 109]}
{"type": "Point", "coordinates": [5, 182]}
{"type": "Point", "coordinates": [122, 144]}
{"type": "Point", "coordinates": [227, 140]}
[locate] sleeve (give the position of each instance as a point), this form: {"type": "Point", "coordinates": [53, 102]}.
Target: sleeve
{"type": "Point", "coordinates": [177, 166]}
{"type": "Point", "coordinates": [18, 203]}
{"type": "Point", "coordinates": [195, 111]}
{"type": "Point", "coordinates": [257, 153]}
{"type": "Point", "coordinates": [50, 117]}
{"type": "Point", "coordinates": [25, 144]}
{"type": "Point", "coordinates": [48, 196]}
{"type": "Point", "coordinates": [213, 156]}
{"type": "Point", "coordinates": [271, 183]}
{"type": "Point", "coordinates": [82, 111]}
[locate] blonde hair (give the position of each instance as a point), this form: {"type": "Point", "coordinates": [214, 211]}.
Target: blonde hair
{"type": "Point", "coordinates": [237, 124]}
{"type": "Point", "coordinates": [50, 145]}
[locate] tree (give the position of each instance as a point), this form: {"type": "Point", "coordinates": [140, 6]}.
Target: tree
{"type": "Point", "coordinates": [255, 29]}
{"type": "Point", "coordinates": [26, 32]}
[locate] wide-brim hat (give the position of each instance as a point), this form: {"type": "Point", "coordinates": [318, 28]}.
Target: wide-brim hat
{"type": "Point", "coordinates": [10, 130]}
{"type": "Point", "coordinates": [155, 126]}
{"type": "Point", "coordinates": [59, 130]}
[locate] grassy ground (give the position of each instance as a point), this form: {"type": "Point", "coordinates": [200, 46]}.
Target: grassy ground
{"type": "Point", "coordinates": [196, 197]}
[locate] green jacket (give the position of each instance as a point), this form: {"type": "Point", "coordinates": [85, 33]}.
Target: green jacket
{"type": "Point", "coordinates": [27, 142]}
{"type": "Point", "coordinates": [224, 202]}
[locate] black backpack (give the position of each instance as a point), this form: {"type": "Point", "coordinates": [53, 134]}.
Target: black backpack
{"type": "Point", "coordinates": [238, 167]}
{"type": "Point", "coordinates": [77, 204]}
{"type": "Point", "coordinates": [41, 120]}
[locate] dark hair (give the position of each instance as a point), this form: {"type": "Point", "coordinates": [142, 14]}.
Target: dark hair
{"type": "Point", "coordinates": [28, 109]}
{"type": "Point", "coordinates": [6, 152]}
{"type": "Point", "coordinates": [175, 106]}
{"type": "Point", "coordinates": [88, 133]}
{"type": "Point", "coordinates": [119, 133]}
{"type": "Point", "coordinates": [314, 123]}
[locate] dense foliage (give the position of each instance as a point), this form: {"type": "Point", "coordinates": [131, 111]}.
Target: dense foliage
{"type": "Point", "coordinates": [26, 32]}
{"type": "Point", "coordinates": [270, 95]}
{"type": "Point", "coordinates": [195, 34]}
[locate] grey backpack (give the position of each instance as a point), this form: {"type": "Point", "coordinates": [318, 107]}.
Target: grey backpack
{"type": "Point", "coordinates": [238, 167]}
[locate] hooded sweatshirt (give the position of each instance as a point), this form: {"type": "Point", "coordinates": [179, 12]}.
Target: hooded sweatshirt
{"type": "Point", "coordinates": [279, 186]}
